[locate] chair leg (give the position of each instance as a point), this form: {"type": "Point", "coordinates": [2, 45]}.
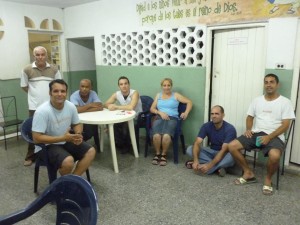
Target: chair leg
{"type": "Point", "coordinates": [175, 149]}
{"type": "Point", "coordinates": [36, 177]}
{"type": "Point", "coordinates": [277, 180]}
{"type": "Point", "coordinates": [182, 143]}
{"type": "Point", "coordinates": [4, 134]}
{"type": "Point", "coordinates": [17, 132]}
{"type": "Point", "coordinates": [88, 175]}
{"type": "Point", "coordinates": [147, 143]}
{"type": "Point", "coordinates": [146, 148]}
{"type": "Point", "coordinates": [96, 139]}
{"type": "Point", "coordinates": [254, 160]}
{"type": "Point", "coordinates": [282, 167]}
{"type": "Point", "coordinates": [137, 137]}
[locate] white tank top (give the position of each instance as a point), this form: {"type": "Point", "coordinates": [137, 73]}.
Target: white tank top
{"type": "Point", "coordinates": [138, 108]}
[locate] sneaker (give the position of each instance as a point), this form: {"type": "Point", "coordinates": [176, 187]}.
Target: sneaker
{"type": "Point", "coordinates": [27, 163]}
{"type": "Point", "coordinates": [222, 172]}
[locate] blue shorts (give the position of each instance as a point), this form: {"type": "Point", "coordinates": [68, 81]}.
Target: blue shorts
{"type": "Point", "coordinates": [161, 126]}
{"type": "Point", "coordinates": [250, 143]}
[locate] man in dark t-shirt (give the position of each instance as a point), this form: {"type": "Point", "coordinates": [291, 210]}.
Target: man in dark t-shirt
{"type": "Point", "coordinates": [215, 157]}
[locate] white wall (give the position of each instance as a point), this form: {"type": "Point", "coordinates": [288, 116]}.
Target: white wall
{"type": "Point", "coordinates": [113, 16]}
{"type": "Point", "coordinates": [14, 47]}
{"type": "Point", "coordinates": [86, 59]}
{"type": "Point", "coordinates": [281, 42]}
{"type": "Point", "coordinates": [102, 17]}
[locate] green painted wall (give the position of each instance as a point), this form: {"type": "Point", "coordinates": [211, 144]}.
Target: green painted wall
{"type": "Point", "coordinates": [189, 82]}
{"type": "Point", "coordinates": [285, 80]}
{"type": "Point", "coordinates": [12, 88]}
{"type": "Point", "coordinates": [73, 78]}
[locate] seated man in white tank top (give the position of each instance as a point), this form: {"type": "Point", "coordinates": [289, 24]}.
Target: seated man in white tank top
{"type": "Point", "coordinates": [127, 99]}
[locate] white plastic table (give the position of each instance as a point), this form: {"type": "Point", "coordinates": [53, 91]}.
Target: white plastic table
{"type": "Point", "coordinates": [109, 118]}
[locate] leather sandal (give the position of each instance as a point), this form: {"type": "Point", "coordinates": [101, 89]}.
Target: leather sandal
{"type": "Point", "coordinates": [156, 159]}
{"type": "Point", "coordinates": [163, 160]}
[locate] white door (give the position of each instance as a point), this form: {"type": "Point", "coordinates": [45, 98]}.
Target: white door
{"type": "Point", "coordinates": [238, 71]}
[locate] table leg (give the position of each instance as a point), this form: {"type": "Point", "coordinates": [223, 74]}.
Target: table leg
{"type": "Point", "coordinates": [102, 129]}
{"type": "Point", "coordinates": [133, 138]}
{"type": "Point", "coordinates": [113, 147]}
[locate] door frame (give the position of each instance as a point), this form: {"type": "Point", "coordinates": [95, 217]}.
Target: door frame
{"type": "Point", "coordinates": [71, 80]}
{"type": "Point", "coordinates": [209, 52]}
{"type": "Point", "coordinates": [294, 92]}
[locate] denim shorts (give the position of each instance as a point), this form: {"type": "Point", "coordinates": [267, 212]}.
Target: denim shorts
{"type": "Point", "coordinates": [161, 126]}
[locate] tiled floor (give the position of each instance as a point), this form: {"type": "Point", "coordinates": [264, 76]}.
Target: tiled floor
{"type": "Point", "coordinates": [145, 194]}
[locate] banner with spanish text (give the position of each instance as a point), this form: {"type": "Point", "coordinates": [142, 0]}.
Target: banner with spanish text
{"type": "Point", "coordinates": [184, 12]}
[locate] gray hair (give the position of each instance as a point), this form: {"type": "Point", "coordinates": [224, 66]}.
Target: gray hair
{"type": "Point", "coordinates": [39, 48]}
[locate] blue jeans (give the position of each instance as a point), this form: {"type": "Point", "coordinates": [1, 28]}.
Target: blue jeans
{"type": "Point", "coordinates": [207, 154]}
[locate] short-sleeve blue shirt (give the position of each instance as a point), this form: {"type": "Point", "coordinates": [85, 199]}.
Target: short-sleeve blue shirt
{"type": "Point", "coordinates": [217, 138]}
{"type": "Point", "coordinates": [76, 99]}
{"type": "Point", "coordinates": [53, 122]}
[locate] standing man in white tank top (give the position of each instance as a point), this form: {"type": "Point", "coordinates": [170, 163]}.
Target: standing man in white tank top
{"type": "Point", "coordinates": [126, 99]}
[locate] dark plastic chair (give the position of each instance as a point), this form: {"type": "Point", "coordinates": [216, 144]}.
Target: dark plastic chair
{"type": "Point", "coordinates": [280, 167]}
{"type": "Point", "coordinates": [41, 161]}
{"type": "Point", "coordinates": [178, 133]}
{"type": "Point", "coordinates": [142, 119]}
{"type": "Point", "coordinates": [9, 115]}
{"type": "Point", "coordinates": [96, 139]}
{"type": "Point", "coordinates": [75, 200]}
{"type": "Point", "coordinates": [95, 135]}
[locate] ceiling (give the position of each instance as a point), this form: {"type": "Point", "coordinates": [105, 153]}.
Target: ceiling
{"type": "Point", "coordinates": [54, 3]}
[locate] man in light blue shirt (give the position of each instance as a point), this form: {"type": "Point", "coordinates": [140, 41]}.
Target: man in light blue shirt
{"type": "Point", "coordinates": [87, 100]}
{"type": "Point", "coordinates": [56, 124]}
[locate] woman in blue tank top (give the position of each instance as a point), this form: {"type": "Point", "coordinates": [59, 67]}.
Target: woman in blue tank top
{"type": "Point", "coordinates": [165, 106]}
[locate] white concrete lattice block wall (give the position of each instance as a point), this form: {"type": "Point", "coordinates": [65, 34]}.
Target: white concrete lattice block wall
{"type": "Point", "coordinates": [170, 47]}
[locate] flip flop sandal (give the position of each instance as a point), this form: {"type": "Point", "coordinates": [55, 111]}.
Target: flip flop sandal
{"type": "Point", "coordinates": [242, 181]}
{"type": "Point", "coordinates": [155, 160]}
{"type": "Point", "coordinates": [189, 164]}
{"type": "Point", "coordinates": [163, 160]}
{"type": "Point", "coordinates": [267, 190]}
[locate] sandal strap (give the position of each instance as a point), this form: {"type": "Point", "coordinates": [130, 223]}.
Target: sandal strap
{"type": "Point", "coordinates": [163, 158]}
{"type": "Point", "coordinates": [156, 157]}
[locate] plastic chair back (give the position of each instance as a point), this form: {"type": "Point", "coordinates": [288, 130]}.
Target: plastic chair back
{"type": "Point", "coordinates": [178, 133]}
{"type": "Point", "coordinates": [52, 171]}
{"type": "Point", "coordinates": [75, 199]}
{"type": "Point", "coordinates": [26, 130]}
{"type": "Point", "coordinates": [142, 118]}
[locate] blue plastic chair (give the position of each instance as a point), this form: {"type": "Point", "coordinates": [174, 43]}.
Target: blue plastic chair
{"type": "Point", "coordinates": [41, 161]}
{"type": "Point", "coordinates": [178, 133]}
{"type": "Point", "coordinates": [75, 200]}
{"type": "Point", "coordinates": [142, 119]}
